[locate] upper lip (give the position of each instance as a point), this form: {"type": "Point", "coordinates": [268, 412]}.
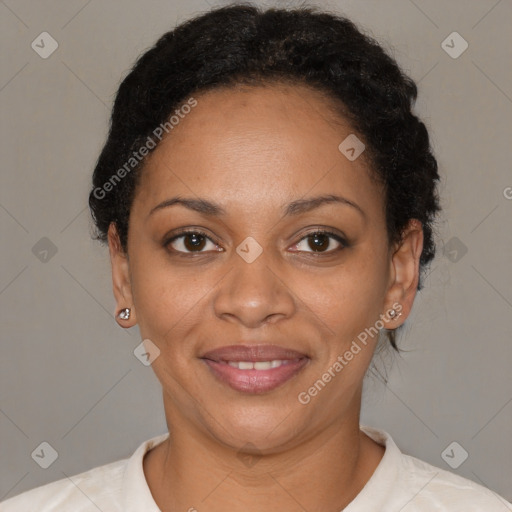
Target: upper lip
{"type": "Point", "coordinates": [252, 353]}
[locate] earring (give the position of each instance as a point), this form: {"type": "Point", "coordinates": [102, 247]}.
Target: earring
{"type": "Point", "coordinates": [394, 314]}
{"type": "Point", "coordinates": [124, 314]}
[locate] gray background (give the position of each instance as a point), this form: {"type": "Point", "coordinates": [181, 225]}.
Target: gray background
{"type": "Point", "coordinates": [68, 373]}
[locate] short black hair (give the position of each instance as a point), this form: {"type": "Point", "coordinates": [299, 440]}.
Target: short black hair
{"type": "Point", "coordinates": [245, 44]}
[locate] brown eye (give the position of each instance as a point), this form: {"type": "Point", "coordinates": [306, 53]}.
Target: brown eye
{"type": "Point", "coordinates": [191, 241]}
{"type": "Point", "coordinates": [320, 242]}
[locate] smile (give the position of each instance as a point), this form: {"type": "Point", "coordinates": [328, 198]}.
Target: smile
{"type": "Point", "coordinates": [258, 365]}
{"type": "Point", "coordinates": [256, 368]}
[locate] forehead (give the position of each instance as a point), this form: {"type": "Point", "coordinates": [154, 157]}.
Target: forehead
{"type": "Point", "coordinates": [250, 145]}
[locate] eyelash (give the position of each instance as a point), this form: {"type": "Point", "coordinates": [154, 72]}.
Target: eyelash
{"type": "Point", "coordinates": [335, 236]}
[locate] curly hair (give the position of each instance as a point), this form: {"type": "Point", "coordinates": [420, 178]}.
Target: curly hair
{"type": "Point", "coordinates": [244, 44]}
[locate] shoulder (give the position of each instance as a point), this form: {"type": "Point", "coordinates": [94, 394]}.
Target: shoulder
{"type": "Point", "coordinates": [116, 487]}
{"type": "Point", "coordinates": [403, 482]}
{"type": "Point", "coordinates": [98, 488]}
{"type": "Point", "coordinates": [438, 489]}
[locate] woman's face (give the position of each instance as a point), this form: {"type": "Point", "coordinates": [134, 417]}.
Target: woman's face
{"type": "Point", "coordinates": [254, 169]}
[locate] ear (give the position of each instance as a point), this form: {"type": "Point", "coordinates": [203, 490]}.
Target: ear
{"type": "Point", "coordinates": [404, 274]}
{"type": "Point", "coordinates": [120, 278]}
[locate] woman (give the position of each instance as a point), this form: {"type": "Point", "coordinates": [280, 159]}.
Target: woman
{"type": "Point", "coordinates": [267, 196]}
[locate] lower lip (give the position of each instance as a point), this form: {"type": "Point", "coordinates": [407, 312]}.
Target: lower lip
{"type": "Point", "coordinates": [256, 381]}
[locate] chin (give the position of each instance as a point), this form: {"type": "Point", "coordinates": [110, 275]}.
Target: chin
{"type": "Point", "coordinates": [266, 427]}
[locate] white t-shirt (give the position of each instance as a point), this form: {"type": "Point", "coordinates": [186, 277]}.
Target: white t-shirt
{"type": "Point", "coordinates": [400, 483]}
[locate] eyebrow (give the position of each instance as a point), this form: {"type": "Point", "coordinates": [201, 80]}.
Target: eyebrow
{"type": "Point", "coordinates": [306, 205]}
{"type": "Point", "coordinates": [297, 207]}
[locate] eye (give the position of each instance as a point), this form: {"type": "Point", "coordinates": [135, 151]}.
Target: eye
{"type": "Point", "coordinates": [320, 242]}
{"type": "Point", "coordinates": [192, 241]}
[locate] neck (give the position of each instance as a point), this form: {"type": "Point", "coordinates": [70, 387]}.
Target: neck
{"type": "Point", "coordinates": [324, 473]}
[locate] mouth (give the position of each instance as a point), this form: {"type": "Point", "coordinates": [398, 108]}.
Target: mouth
{"type": "Point", "coordinates": [254, 368]}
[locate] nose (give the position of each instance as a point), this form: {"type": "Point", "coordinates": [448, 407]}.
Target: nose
{"type": "Point", "coordinates": [253, 294]}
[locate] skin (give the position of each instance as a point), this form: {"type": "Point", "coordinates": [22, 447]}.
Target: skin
{"type": "Point", "coordinates": [253, 151]}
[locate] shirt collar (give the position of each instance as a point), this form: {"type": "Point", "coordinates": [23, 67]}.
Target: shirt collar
{"type": "Point", "coordinates": [379, 487]}
{"type": "Point", "coordinates": [135, 490]}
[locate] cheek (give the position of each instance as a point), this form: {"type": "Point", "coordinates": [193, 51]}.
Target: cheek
{"type": "Point", "coordinates": [351, 298]}
{"type": "Point", "coordinates": [168, 300]}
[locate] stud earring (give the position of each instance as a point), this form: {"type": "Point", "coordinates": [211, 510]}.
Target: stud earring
{"type": "Point", "coordinates": [124, 314]}
{"type": "Point", "coordinates": [394, 314]}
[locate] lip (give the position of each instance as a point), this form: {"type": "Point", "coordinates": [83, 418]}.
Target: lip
{"type": "Point", "coordinates": [253, 353]}
{"type": "Point", "coordinates": [252, 380]}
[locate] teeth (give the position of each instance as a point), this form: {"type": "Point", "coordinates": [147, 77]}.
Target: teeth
{"type": "Point", "coordinates": [263, 365]}
{"type": "Point", "coordinates": [259, 365]}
